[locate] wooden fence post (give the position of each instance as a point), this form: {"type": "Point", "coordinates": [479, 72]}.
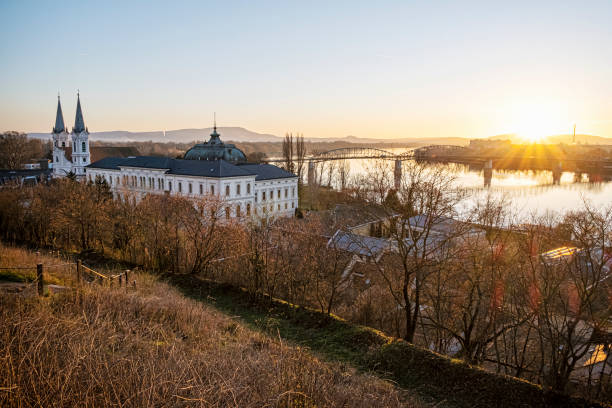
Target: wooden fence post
{"type": "Point", "coordinates": [126, 277]}
{"type": "Point", "coordinates": [120, 276]}
{"type": "Point", "coordinates": [79, 270]}
{"type": "Point", "coordinates": [39, 277]}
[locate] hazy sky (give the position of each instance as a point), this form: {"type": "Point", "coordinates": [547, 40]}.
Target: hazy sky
{"type": "Point", "coordinates": [325, 69]}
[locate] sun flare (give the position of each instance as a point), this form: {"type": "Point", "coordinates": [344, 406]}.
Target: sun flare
{"type": "Point", "coordinates": [536, 122]}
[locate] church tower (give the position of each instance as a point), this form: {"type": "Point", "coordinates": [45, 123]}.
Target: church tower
{"type": "Point", "coordinates": [80, 143]}
{"type": "Point", "coordinates": [62, 150]}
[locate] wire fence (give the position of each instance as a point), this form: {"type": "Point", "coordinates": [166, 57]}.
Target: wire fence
{"type": "Point", "coordinates": [75, 273]}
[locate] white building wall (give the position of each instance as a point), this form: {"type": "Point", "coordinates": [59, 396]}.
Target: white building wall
{"type": "Point", "coordinates": [248, 197]}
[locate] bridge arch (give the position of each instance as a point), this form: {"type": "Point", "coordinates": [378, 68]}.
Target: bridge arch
{"type": "Point", "coordinates": [352, 153]}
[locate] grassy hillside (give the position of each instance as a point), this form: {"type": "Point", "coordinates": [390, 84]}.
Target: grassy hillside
{"type": "Point", "coordinates": [153, 347]}
{"type": "Point", "coordinates": [436, 379]}
{"type": "Point", "coordinates": [192, 342]}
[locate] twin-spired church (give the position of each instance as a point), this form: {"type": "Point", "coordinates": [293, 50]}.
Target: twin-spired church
{"type": "Point", "coordinates": [210, 168]}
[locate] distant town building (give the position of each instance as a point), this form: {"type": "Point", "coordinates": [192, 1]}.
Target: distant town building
{"type": "Point", "coordinates": [490, 144]}
{"type": "Point", "coordinates": [212, 168]}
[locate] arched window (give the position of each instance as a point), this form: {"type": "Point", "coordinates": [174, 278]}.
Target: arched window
{"type": "Point", "coordinates": [228, 212]}
{"type": "Point", "coordinates": [237, 211]}
{"type": "Point", "coordinates": [227, 190]}
{"type": "Point", "coordinates": [248, 209]}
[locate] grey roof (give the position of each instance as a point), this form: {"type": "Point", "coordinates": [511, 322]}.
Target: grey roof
{"type": "Point", "coordinates": [202, 168]}
{"type": "Point", "coordinates": [79, 123]}
{"type": "Point", "coordinates": [440, 225]}
{"type": "Point", "coordinates": [359, 244]}
{"type": "Point", "coordinates": [59, 119]}
{"type": "Point", "coordinates": [266, 171]}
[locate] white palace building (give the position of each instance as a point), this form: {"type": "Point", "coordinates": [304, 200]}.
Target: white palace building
{"type": "Point", "coordinates": [209, 168]}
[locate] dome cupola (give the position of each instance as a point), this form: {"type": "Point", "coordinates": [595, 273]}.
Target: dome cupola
{"type": "Point", "coordinates": [215, 149]}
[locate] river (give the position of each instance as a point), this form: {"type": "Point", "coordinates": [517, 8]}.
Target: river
{"type": "Point", "coordinates": [527, 192]}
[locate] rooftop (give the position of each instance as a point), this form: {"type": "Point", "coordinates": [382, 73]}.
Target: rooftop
{"type": "Point", "coordinates": [203, 168]}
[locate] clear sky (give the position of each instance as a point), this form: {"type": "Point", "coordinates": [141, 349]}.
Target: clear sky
{"type": "Point", "coordinates": [324, 69]}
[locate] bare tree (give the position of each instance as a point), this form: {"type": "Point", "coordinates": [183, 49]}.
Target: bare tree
{"type": "Point", "coordinates": [421, 236]}
{"type": "Point", "coordinates": [344, 169]}
{"type": "Point", "coordinates": [16, 149]}
{"type": "Point", "coordinates": [288, 147]}
{"type": "Point", "coordinates": [300, 153]}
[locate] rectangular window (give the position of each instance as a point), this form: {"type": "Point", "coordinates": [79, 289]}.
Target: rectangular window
{"type": "Point", "coordinates": [238, 189]}
{"type": "Point", "coordinates": [278, 194]}
{"type": "Point", "coordinates": [180, 187]}
{"type": "Point", "coordinates": [263, 196]}
{"type": "Point", "coordinates": [249, 188]}
{"type": "Point", "coordinates": [190, 188]}
{"type": "Point", "coordinates": [212, 190]}
{"type": "Point", "coordinates": [201, 189]}
{"type": "Point", "coordinates": [286, 192]}
{"type": "Point", "coordinates": [227, 190]}
{"type": "Point", "coordinates": [83, 146]}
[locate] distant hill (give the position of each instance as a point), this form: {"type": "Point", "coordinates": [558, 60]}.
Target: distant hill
{"type": "Point", "coordinates": [240, 134]}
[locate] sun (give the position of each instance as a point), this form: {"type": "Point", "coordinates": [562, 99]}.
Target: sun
{"type": "Point", "coordinates": [535, 122]}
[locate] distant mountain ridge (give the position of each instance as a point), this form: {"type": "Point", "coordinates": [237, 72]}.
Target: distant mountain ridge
{"type": "Point", "coordinates": [240, 134]}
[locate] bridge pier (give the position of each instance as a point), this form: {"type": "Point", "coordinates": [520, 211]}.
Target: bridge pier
{"type": "Point", "coordinates": [557, 171]}
{"type": "Point", "coordinates": [488, 172]}
{"type": "Point", "coordinates": [397, 175]}
{"type": "Point", "coordinates": [311, 173]}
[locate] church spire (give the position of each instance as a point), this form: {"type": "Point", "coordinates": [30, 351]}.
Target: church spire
{"type": "Point", "coordinates": [79, 123]}
{"type": "Point", "coordinates": [59, 118]}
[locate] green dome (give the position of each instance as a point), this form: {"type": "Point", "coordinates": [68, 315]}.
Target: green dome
{"type": "Point", "coordinates": [215, 149]}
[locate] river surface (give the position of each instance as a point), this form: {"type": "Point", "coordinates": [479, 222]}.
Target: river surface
{"type": "Point", "coordinates": [528, 193]}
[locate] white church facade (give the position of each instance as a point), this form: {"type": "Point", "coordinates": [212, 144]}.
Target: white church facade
{"type": "Point", "coordinates": [71, 153]}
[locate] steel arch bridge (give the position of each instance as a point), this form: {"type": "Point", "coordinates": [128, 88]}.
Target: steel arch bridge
{"type": "Point", "coordinates": [346, 153]}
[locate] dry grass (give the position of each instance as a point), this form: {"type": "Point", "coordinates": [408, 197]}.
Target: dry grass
{"type": "Point", "coordinates": [153, 347]}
